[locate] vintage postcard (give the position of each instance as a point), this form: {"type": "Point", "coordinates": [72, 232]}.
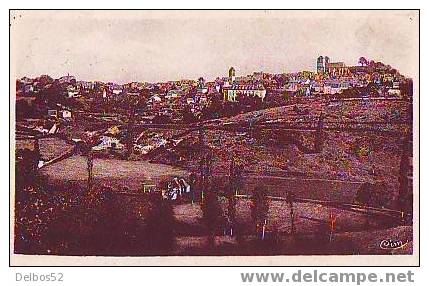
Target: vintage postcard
{"type": "Point", "coordinates": [286, 137]}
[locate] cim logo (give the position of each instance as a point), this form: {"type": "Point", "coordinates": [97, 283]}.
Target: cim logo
{"type": "Point", "coordinates": [392, 244]}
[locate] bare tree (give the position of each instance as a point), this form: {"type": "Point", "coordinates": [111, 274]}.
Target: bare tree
{"type": "Point", "coordinates": [89, 167]}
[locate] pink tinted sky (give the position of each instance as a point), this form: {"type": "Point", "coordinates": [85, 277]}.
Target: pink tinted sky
{"type": "Point", "coordinates": [125, 46]}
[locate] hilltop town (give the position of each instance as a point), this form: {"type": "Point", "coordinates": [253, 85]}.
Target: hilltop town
{"type": "Point", "coordinates": [192, 100]}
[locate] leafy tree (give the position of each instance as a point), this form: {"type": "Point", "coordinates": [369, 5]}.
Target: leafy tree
{"type": "Point", "coordinates": [52, 94]}
{"type": "Point", "coordinates": [212, 215]}
{"type": "Point", "coordinates": [97, 223]}
{"type": "Point", "coordinates": [235, 180]}
{"type": "Point", "coordinates": [188, 115]}
{"type": "Point", "coordinates": [205, 167]}
{"type": "Point", "coordinates": [248, 103]}
{"type": "Point", "coordinates": [373, 194]}
{"type": "Point", "coordinates": [26, 108]}
{"type": "Point", "coordinates": [161, 119]}
{"type": "Point", "coordinates": [160, 225]}
{"type": "Point", "coordinates": [232, 209]}
{"type": "Point", "coordinates": [406, 87]}
{"type": "Point", "coordinates": [405, 195]}
{"type": "Point", "coordinates": [26, 166]}
{"type": "Point", "coordinates": [259, 207]}
{"type": "Point", "coordinates": [363, 61]}
{"type": "Point", "coordinates": [215, 108]}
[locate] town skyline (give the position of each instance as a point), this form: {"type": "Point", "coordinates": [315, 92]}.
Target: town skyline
{"type": "Point", "coordinates": [154, 49]}
{"type": "Point", "coordinates": [225, 74]}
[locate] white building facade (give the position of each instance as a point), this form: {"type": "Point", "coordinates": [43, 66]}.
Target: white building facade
{"type": "Point", "coordinates": [233, 92]}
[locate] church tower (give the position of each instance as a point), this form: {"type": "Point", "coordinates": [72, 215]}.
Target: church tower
{"type": "Point", "coordinates": [231, 74]}
{"type": "Point", "coordinates": [320, 65]}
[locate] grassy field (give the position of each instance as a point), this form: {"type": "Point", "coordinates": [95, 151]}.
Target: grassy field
{"type": "Point", "coordinates": [112, 172]}
{"type": "Point", "coordinates": [304, 188]}
{"type": "Point", "coordinates": [352, 235]}
{"type": "Point", "coordinates": [365, 110]}
{"type": "Point", "coordinates": [53, 147]}
{"type": "Point", "coordinates": [49, 147]}
{"type": "Point", "coordinates": [308, 217]}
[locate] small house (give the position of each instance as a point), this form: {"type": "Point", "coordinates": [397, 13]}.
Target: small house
{"type": "Point", "coordinates": [52, 113]}
{"type": "Point", "coordinates": [66, 114]}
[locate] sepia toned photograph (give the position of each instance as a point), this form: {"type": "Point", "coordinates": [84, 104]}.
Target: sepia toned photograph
{"type": "Point", "coordinates": [184, 136]}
